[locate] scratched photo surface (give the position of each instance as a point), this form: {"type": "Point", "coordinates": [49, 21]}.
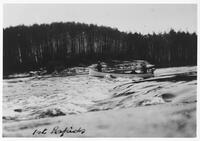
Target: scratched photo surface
{"type": "Point", "coordinates": [99, 70]}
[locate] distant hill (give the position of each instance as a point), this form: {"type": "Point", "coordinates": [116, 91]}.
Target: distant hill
{"type": "Point", "coordinates": [32, 47]}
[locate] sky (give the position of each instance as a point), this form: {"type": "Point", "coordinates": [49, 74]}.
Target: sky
{"type": "Point", "coordinates": [143, 18]}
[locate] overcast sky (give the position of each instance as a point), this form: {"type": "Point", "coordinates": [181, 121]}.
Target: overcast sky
{"type": "Point", "coordinates": [142, 18]}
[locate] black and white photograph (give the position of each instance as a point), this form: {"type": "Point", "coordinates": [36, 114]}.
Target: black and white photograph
{"type": "Point", "coordinates": [100, 70]}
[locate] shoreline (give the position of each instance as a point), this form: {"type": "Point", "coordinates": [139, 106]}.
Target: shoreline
{"type": "Point", "coordinates": [171, 120]}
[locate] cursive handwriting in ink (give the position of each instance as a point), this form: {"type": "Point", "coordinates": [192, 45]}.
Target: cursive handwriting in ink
{"type": "Point", "coordinates": [57, 130]}
{"type": "Point", "coordinates": [37, 131]}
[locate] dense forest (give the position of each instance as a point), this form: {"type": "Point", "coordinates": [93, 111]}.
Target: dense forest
{"type": "Point", "coordinates": [32, 47]}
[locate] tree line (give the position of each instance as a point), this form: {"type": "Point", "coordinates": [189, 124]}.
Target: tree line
{"type": "Point", "coordinates": [32, 47]}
